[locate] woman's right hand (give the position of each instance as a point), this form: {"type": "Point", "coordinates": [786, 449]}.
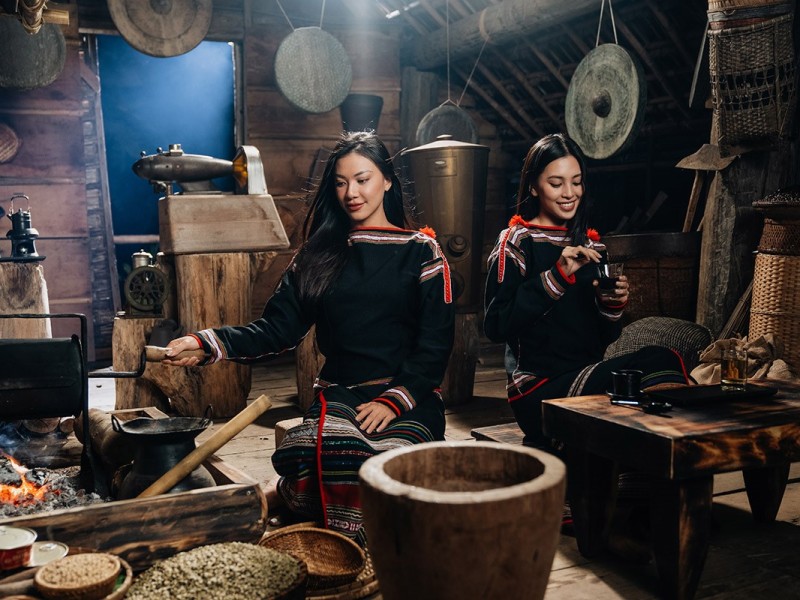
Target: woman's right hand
{"type": "Point", "coordinates": [574, 257]}
{"type": "Point", "coordinates": [177, 346]}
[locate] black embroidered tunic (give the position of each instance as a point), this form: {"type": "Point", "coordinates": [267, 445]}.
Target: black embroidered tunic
{"type": "Point", "coordinates": [388, 320]}
{"type": "Point", "coordinates": [525, 285]}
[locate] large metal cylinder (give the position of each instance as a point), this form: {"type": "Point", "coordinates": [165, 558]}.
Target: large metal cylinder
{"type": "Point", "coordinates": [448, 179]}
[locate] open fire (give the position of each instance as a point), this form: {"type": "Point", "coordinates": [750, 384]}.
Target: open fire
{"type": "Point", "coordinates": [25, 491]}
{"type": "Point", "coordinates": [21, 485]}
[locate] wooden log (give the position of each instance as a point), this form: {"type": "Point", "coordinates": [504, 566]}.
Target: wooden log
{"type": "Point", "coordinates": [23, 290]}
{"type": "Point", "coordinates": [144, 531]}
{"type": "Point", "coordinates": [459, 378]}
{"type": "Point", "coordinates": [499, 24]}
{"type": "Point", "coordinates": [129, 336]}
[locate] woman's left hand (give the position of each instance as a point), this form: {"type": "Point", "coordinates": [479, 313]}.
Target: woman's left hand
{"type": "Point", "coordinates": [374, 416]}
{"type": "Point", "coordinates": [620, 293]}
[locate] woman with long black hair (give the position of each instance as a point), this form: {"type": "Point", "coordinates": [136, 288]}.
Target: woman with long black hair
{"type": "Point", "coordinates": [542, 297]}
{"type": "Point", "coordinates": [379, 294]}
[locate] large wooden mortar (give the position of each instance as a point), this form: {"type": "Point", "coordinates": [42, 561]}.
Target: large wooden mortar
{"type": "Point", "coordinates": [462, 520]}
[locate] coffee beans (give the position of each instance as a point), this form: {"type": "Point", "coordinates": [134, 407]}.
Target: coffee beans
{"type": "Point", "coordinates": [218, 571]}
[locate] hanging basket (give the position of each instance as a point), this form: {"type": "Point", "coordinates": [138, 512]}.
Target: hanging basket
{"type": "Point", "coordinates": [752, 83]}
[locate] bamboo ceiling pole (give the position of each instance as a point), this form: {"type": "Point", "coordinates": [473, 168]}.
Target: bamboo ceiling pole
{"type": "Point", "coordinates": [193, 460]}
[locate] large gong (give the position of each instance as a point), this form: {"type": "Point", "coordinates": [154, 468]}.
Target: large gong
{"type": "Point", "coordinates": [162, 28]}
{"type": "Point", "coordinates": [312, 70]}
{"type": "Point", "coordinates": [605, 101]}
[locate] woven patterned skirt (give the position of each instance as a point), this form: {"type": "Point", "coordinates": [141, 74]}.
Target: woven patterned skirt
{"type": "Point", "coordinates": [319, 459]}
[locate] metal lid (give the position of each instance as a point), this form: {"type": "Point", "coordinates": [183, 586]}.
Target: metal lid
{"type": "Point", "coordinates": [445, 141]}
{"type": "Point", "coordinates": [16, 537]}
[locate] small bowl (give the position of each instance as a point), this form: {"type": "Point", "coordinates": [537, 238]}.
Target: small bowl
{"type": "Point", "coordinates": [15, 546]}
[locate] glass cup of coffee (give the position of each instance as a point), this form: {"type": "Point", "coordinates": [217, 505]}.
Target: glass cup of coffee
{"type": "Point", "coordinates": [733, 368]}
{"type": "Point", "coordinates": [607, 276]}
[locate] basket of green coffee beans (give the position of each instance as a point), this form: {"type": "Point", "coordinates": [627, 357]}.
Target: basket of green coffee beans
{"type": "Point", "coordinates": [221, 572]}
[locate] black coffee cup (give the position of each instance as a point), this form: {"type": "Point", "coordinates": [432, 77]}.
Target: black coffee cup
{"type": "Point", "coordinates": [608, 276]}
{"type": "Point", "coordinates": [626, 383]}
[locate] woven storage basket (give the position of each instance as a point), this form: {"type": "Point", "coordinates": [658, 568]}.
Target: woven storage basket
{"type": "Point", "coordinates": [776, 303]}
{"type": "Point", "coordinates": [90, 576]}
{"type": "Point", "coordinates": [752, 82]}
{"type": "Point", "coordinates": [364, 585]}
{"type": "Point", "coordinates": [780, 238]}
{"type": "Point", "coordinates": [332, 559]}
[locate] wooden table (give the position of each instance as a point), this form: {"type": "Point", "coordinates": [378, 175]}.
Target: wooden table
{"type": "Point", "coordinates": [681, 450]}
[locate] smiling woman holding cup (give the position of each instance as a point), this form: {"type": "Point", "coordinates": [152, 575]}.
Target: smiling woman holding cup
{"type": "Point", "coordinates": [554, 298]}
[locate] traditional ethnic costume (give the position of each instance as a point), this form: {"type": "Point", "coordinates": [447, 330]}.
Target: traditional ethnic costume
{"type": "Point", "coordinates": [556, 327]}
{"type": "Point", "coordinates": [386, 329]}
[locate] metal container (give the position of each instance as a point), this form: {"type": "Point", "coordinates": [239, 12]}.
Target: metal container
{"type": "Point", "coordinates": [15, 546]}
{"type": "Point", "coordinates": [448, 179]}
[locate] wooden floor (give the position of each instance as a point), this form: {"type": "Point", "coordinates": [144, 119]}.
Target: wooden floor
{"type": "Point", "coordinates": [746, 560]}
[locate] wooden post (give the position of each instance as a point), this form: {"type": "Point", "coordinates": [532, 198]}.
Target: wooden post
{"type": "Point", "coordinates": [23, 290]}
{"type": "Point", "coordinates": [128, 339]}
{"type": "Point", "coordinates": [308, 361]}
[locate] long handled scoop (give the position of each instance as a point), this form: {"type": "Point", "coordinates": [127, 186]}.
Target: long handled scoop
{"type": "Point", "coordinates": [221, 437]}
{"type": "Point", "coordinates": [157, 354]}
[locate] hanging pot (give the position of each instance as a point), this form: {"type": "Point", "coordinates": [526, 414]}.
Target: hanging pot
{"type": "Point", "coordinates": [361, 112]}
{"type": "Point", "coordinates": [312, 70]}
{"type": "Point", "coordinates": [160, 445]}
{"type": "Point", "coordinates": [30, 61]}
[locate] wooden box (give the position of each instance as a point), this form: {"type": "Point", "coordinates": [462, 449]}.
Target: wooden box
{"type": "Point", "coordinates": [146, 530]}
{"type": "Point", "coordinates": [197, 223]}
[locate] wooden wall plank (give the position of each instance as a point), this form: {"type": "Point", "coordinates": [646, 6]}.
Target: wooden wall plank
{"type": "Point", "coordinates": [56, 210]}
{"type": "Point", "coordinates": [51, 147]}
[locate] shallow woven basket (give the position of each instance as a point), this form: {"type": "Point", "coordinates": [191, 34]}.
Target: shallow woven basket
{"type": "Point", "coordinates": [48, 586]}
{"type": "Point", "coordinates": [332, 559]}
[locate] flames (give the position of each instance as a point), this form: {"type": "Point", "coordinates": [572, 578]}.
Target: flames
{"type": "Point", "coordinates": [26, 492]}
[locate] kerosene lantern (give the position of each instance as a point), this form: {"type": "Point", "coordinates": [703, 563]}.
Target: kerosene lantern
{"type": "Point", "coordinates": [21, 234]}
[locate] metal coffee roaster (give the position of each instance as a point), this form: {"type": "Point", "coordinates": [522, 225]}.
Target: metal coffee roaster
{"type": "Point", "coordinates": [449, 185]}
{"type": "Point", "coordinates": [21, 234]}
{"type": "Point", "coordinates": [147, 286]}
{"type": "Point", "coordinates": [49, 377]}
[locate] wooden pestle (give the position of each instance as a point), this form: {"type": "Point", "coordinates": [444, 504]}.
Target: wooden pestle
{"type": "Point", "coordinates": [221, 437]}
{"type": "Point", "coordinates": [157, 354]}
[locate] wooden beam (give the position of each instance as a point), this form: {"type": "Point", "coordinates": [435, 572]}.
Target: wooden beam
{"type": "Point", "coordinates": [500, 24]}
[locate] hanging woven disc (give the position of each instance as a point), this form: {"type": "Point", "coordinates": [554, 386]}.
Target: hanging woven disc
{"type": "Point", "coordinates": [605, 101]}
{"type": "Point", "coordinates": [9, 143]}
{"type": "Point", "coordinates": [312, 70]}
{"type": "Point", "coordinates": [447, 119]}
{"type": "Point", "coordinates": [30, 61]}
{"type": "Point", "coordinates": [162, 28]}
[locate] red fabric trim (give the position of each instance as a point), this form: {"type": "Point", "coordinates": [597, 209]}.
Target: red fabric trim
{"type": "Point", "coordinates": [683, 366]}
{"type": "Point", "coordinates": [388, 403]}
{"type": "Point", "coordinates": [448, 286]}
{"type": "Point", "coordinates": [501, 256]}
{"type": "Point", "coordinates": [569, 278]}
{"type": "Point", "coordinates": [197, 337]}
{"type": "Point", "coordinates": [538, 385]}
{"type": "Point", "coordinates": [392, 228]}
{"type": "Point", "coordinates": [320, 426]}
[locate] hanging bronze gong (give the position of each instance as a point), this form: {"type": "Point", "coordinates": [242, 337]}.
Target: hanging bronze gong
{"type": "Point", "coordinates": [29, 61]}
{"type": "Point", "coordinates": [447, 119]}
{"type": "Point", "coordinates": [605, 101]}
{"type": "Point", "coordinates": [312, 70]}
{"type": "Point", "coordinates": [162, 28]}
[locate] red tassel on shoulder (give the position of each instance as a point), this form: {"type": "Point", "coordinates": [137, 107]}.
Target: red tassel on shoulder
{"type": "Point", "coordinates": [593, 234]}
{"type": "Point", "coordinates": [516, 220]}
{"type": "Point", "coordinates": [428, 231]}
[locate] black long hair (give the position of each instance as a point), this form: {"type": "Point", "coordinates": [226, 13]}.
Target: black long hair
{"type": "Point", "coordinates": [326, 227]}
{"type": "Point", "coordinates": [542, 153]}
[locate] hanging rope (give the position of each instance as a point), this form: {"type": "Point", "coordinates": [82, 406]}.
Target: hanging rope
{"type": "Point", "coordinates": [31, 14]}
{"type": "Point", "coordinates": [447, 31]}
{"type": "Point", "coordinates": [284, 14]}
{"type": "Point", "coordinates": [600, 22]}
{"type": "Point", "coordinates": [475, 66]}
{"type": "Point", "coordinates": [322, 14]}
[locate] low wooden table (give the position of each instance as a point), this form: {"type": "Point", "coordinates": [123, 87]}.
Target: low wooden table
{"type": "Point", "coordinates": [681, 450]}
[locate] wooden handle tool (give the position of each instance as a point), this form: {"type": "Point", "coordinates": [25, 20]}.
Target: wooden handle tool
{"type": "Point", "coordinates": [157, 354]}
{"type": "Point", "coordinates": [221, 437]}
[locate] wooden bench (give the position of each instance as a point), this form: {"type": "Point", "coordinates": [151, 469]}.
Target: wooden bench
{"type": "Point", "coordinates": [507, 433]}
